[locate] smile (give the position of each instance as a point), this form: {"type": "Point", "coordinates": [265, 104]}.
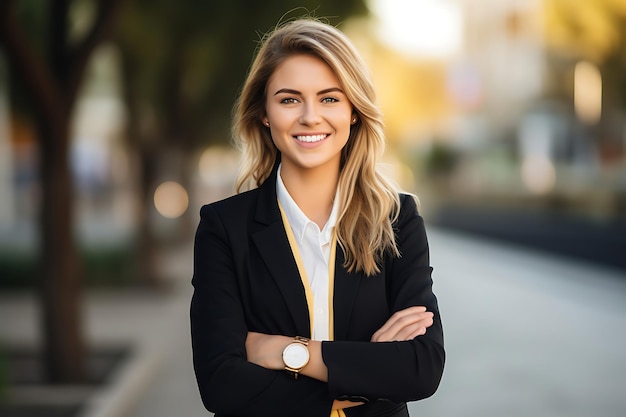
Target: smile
{"type": "Point", "coordinates": [311, 138]}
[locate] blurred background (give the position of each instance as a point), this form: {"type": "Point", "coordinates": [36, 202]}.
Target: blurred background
{"type": "Point", "coordinates": [506, 117]}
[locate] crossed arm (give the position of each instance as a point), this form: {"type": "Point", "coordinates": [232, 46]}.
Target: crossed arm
{"type": "Point", "coordinates": [234, 367]}
{"type": "Point", "coordinates": [266, 350]}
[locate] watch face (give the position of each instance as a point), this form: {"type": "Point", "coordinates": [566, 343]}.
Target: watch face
{"type": "Point", "coordinates": [296, 356]}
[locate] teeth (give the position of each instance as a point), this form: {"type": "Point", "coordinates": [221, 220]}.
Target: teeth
{"type": "Point", "coordinates": [315, 138]}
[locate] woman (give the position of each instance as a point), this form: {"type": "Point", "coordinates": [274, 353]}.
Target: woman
{"type": "Point", "coordinates": [312, 291]}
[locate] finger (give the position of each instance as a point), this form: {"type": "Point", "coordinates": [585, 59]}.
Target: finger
{"type": "Point", "coordinates": [419, 332]}
{"type": "Point", "coordinates": [411, 332]}
{"type": "Point", "coordinates": [404, 330]}
{"type": "Point", "coordinates": [417, 329]}
{"type": "Point", "coordinates": [407, 333]}
{"type": "Point", "coordinates": [399, 315]}
{"type": "Point", "coordinates": [397, 324]}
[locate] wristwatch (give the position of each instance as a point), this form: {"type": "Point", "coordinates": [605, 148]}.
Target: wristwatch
{"type": "Point", "coordinates": [296, 356]}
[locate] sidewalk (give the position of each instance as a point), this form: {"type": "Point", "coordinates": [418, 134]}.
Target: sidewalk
{"type": "Point", "coordinates": [155, 325]}
{"type": "Point", "coordinates": [526, 334]}
{"type": "Point", "coordinates": [162, 381]}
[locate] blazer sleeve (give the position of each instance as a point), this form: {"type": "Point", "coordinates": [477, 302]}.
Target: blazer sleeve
{"type": "Point", "coordinates": [396, 371]}
{"type": "Point", "coordinates": [228, 383]}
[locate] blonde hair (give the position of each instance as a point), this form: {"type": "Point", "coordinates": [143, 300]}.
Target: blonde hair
{"type": "Point", "coordinates": [368, 202]}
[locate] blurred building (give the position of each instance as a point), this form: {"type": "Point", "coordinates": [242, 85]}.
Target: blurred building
{"type": "Point", "coordinates": [540, 145]}
{"type": "Point", "coordinates": [547, 100]}
{"type": "Point", "coordinates": [508, 114]}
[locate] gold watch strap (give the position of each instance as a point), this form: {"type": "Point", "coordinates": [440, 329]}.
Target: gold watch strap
{"type": "Point", "coordinates": [301, 339]}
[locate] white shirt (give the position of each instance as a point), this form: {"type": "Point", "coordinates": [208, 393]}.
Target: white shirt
{"type": "Point", "coordinates": [314, 246]}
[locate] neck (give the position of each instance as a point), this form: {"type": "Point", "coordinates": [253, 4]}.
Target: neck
{"type": "Point", "coordinates": [313, 191]}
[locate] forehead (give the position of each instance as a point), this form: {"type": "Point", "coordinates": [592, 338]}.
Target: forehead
{"type": "Point", "coordinates": [302, 71]}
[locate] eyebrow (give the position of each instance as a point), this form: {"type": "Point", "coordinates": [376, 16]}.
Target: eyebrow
{"type": "Point", "coordinates": [296, 92]}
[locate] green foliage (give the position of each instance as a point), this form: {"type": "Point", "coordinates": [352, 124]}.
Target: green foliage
{"type": "Point", "coordinates": [189, 58]}
{"type": "Point", "coordinates": [441, 159]}
{"type": "Point", "coordinates": [32, 17]}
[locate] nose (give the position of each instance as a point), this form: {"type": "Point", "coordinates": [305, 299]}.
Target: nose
{"type": "Point", "coordinates": [310, 115]}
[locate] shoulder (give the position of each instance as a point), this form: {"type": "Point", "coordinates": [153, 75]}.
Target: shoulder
{"type": "Point", "coordinates": [234, 209]}
{"type": "Point", "coordinates": [235, 202]}
{"type": "Point", "coordinates": [409, 224]}
{"type": "Point", "coordinates": [409, 207]}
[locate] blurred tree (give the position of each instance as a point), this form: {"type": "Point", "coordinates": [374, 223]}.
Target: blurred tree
{"type": "Point", "coordinates": [49, 56]}
{"type": "Point", "coordinates": [183, 63]}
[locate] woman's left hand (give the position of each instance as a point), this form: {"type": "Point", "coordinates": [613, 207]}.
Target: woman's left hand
{"type": "Point", "coordinates": [405, 325]}
{"type": "Point", "coordinates": [266, 350]}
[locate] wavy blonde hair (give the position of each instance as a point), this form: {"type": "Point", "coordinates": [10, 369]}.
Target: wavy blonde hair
{"type": "Point", "coordinates": [369, 202]}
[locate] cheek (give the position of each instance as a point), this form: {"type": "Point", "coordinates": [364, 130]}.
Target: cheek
{"type": "Point", "coordinates": [280, 119]}
{"type": "Point", "coordinates": [346, 121]}
{"type": "Point", "coordinates": [278, 144]}
{"type": "Point", "coordinates": [346, 118]}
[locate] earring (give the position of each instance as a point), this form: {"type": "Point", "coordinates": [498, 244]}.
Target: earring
{"type": "Point", "coordinates": [267, 124]}
{"type": "Point", "coordinates": [354, 120]}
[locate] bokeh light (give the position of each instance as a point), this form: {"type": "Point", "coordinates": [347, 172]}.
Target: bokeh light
{"type": "Point", "coordinates": [587, 92]}
{"type": "Point", "coordinates": [218, 165]}
{"type": "Point", "coordinates": [171, 199]}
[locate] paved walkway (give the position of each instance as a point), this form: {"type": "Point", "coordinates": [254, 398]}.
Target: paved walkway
{"type": "Point", "coordinates": [526, 335]}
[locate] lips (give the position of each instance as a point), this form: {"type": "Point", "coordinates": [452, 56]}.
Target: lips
{"type": "Point", "coordinates": [311, 138]}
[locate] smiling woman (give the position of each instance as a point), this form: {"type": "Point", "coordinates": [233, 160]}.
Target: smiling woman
{"type": "Point", "coordinates": [309, 117]}
{"type": "Point", "coordinates": [302, 304]}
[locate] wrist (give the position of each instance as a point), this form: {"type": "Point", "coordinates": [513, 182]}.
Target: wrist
{"type": "Point", "coordinates": [278, 346]}
{"type": "Point", "coordinates": [295, 355]}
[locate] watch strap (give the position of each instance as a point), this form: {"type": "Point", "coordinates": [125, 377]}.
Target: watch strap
{"type": "Point", "coordinates": [301, 339]}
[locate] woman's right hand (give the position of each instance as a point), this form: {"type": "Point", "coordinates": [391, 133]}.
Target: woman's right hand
{"type": "Point", "coordinates": [404, 325]}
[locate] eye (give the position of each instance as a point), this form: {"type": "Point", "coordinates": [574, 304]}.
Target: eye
{"type": "Point", "coordinates": [289, 100]}
{"type": "Point", "coordinates": [329, 100]}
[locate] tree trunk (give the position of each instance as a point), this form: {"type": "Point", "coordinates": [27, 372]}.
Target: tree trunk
{"type": "Point", "coordinates": [64, 347]}
{"type": "Point", "coordinates": [147, 241]}
{"type": "Point", "coordinates": [52, 84]}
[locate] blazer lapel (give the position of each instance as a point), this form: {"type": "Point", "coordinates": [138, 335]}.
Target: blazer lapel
{"type": "Point", "coordinates": [345, 292]}
{"type": "Point", "coordinates": [273, 246]}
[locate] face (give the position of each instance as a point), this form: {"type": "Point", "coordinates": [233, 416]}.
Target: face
{"type": "Point", "coordinates": [308, 113]}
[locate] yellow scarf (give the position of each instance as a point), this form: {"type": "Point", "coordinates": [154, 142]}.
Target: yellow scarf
{"type": "Point", "coordinates": [307, 286]}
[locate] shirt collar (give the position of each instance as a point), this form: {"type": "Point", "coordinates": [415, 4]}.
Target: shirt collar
{"type": "Point", "coordinates": [297, 219]}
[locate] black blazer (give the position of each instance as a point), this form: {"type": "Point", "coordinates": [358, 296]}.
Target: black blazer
{"type": "Point", "coordinates": [246, 279]}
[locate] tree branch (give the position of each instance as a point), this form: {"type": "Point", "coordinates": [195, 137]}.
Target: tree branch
{"type": "Point", "coordinates": [41, 86]}
{"type": "Point", "coordinates": [79, 56]}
